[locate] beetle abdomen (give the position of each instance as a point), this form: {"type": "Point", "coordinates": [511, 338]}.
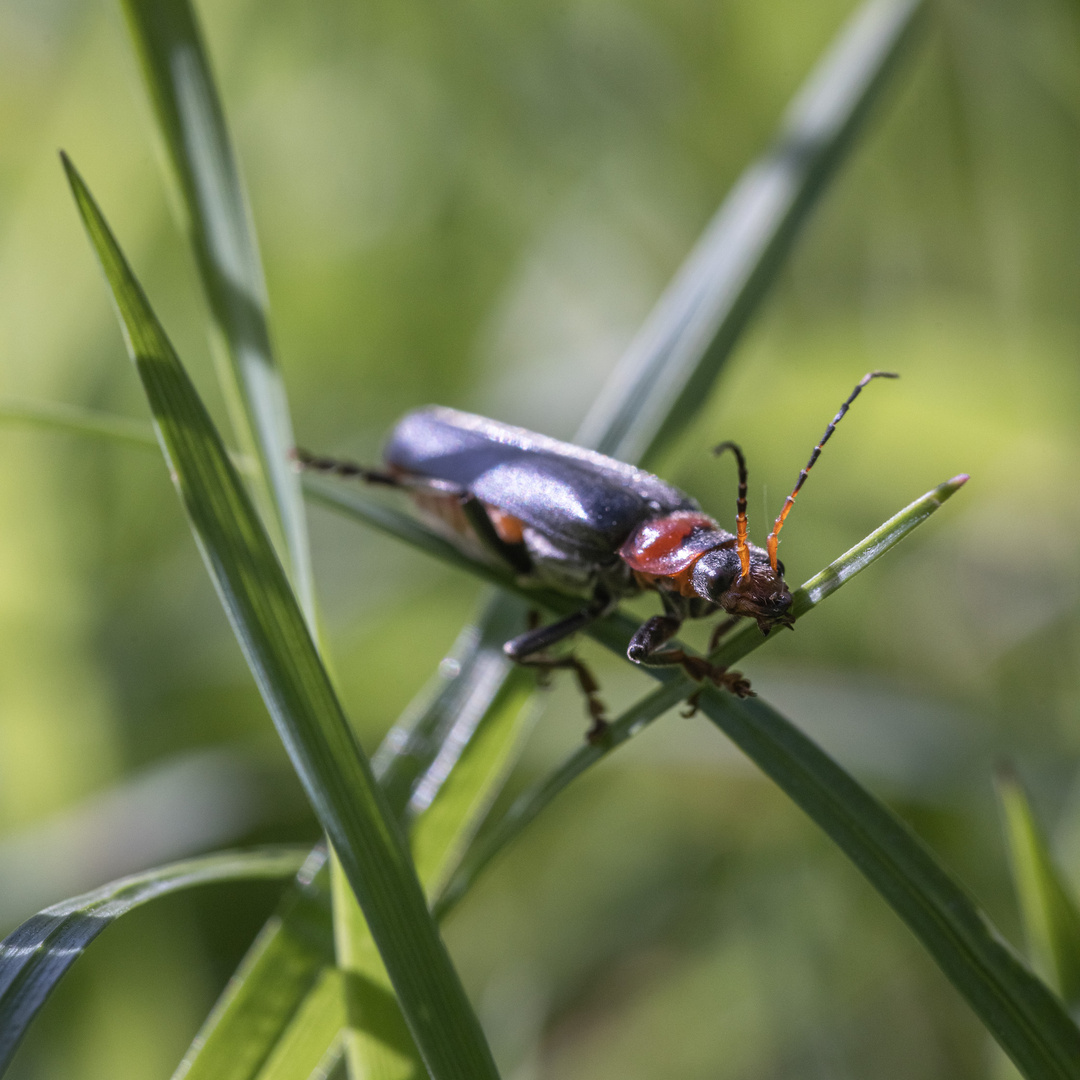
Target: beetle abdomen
{"type": "Point", "coordinates": [576, 498]}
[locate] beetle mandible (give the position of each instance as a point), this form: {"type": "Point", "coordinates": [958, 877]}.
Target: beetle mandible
{"type": "Point", "coordinates": [589, 524]}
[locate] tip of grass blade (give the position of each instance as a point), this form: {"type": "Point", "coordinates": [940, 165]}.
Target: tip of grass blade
{"type": "Point", "coordinates": [956, 482]}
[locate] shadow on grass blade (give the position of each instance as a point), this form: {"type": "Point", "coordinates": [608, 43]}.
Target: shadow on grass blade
{"type": "Point", "coordinates": [295, 687]}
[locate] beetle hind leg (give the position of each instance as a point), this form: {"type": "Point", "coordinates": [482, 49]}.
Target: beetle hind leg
{"type": "Point", "coordinates": [341, 467]}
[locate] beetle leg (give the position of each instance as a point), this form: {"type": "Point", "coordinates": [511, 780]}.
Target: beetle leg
{"type": "Point", "coordinates": [514, 555]}
{"type": "Point", "coordinates": [586, 680]}
{"type": "Point", "coordinates": [538, 638]}
{"type": "Point", "coordinates": [661, 628]}
{"type": "Point", "coordinates": [528, 649]}
{"type": "Point", "coordinates": [720, 629]}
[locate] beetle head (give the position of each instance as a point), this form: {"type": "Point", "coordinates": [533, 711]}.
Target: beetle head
{"type": "Point", "coordinates": [761, 594]}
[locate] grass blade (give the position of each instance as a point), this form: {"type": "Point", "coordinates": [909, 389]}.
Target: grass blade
{"type": "Point", "coordinates": [268, 991]}
{"type": "Point", "coordinates": [78, 421]}
{"type": "Point", "coordinates": [1017, 1008]}
{"type": "Point", "coordinates": [282, 976]}
{"type": "Point", "coordinates": [298, 693]}
{"type": "Point", "coordinates": [176, 69]}
{"type": "Point", "coordinates": [311, 1044]}
{"type": "Point", "coordinates": [665, 375]}
{"type": "Point", "coordinates": [676, 687]}
{"type": "Point", "coordinates": [1049, 912]}
{"type": "Point", "coordinates": [467, 739]}
{"type": "Point", "coordinates": [34, 957]}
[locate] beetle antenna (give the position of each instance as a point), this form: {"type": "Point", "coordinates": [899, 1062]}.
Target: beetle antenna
{"type": "Point", "coordinates": [742, 548]}
{"type": "Point", "coordinates": [789, 502]}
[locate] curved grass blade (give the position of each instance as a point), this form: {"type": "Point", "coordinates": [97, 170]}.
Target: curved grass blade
{"type": "Point", "coordinates": [666, 373]}
{"type": "Point", "coordinates": [34, 957]}
{"type": "Point", "coordinates": [278, 647]}
{"type": "Point", "coordinates": [1018, 1009]}
{"type": "Point", "coordinates": [677, 687]}
{"type": "Point", "coordinates": [176, 69]}
{"type": "Point", "coordinates": [1050, 915]}
{"type": "Point", "coordinates": [268, 991]}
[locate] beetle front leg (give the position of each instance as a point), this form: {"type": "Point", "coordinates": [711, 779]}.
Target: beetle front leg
{"type": "Point", "coordinates": [658, 630]}
{"type": "Point", "coordinates": [720, 629]}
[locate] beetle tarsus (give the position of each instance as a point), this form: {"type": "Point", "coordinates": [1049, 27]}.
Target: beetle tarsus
{"type": "Point", "coordinates": [693, 703]}
{"type": "Point", "coordinates": [586, 680]}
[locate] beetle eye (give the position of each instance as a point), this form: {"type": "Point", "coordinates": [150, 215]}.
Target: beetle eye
{"type": "Point", "coordinates": [779, 567]}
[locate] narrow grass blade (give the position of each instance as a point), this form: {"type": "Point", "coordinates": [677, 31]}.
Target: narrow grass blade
{"type": "Point", "coordinates": [420, 752]}
{"type": "Point", "coordinates": [1049, 911]}
{"type": "Point", "coordinates": [279, 649]}
{"type": "Point", "coordinates": [78, 421]}
{"type": "Point", "coordinates": [665, 375]}
{"type": "Point", "coordinates": [35, 957]}
{"type": "Point", "coordinates": [464, 768]}
{"type": "Point", "coordinates": [311, 1043]}
{"type": "Point", "coordinates": [268, 991]}
{"type": "Point", "coordinates": [1017, 1008]}
{"type": "Point", "coordinates": [177, 72]}
{"type": "Point", "coordinates": [677, 687]}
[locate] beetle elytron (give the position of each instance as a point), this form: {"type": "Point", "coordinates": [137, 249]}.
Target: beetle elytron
{"type": "Point", "coordinates": [588, 524]}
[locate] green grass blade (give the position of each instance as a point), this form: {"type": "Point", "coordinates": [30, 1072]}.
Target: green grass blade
{"type": "Point", "coordinates": [311, 1045]}
{"type": "Point", "coordinates": [1049, 912]}
{"type": "Point", "coordinates": [676, 687]}
{"type": "Point", "coordinates": [275, 640]}
{"type": "Point", "coordinates": [78, 421]}
{"type": "Point", "coordinates": [191, 120]}
{"type": "Point", "coordinates": [466, 739]}
{"type": "Point", "coordinates": [276, 984]}
{"type": "Point", "coordinates": [268, 991]}
{"type": "Point", "coordinates": [1017, 1008]}
{"type": "Point", "coordinates": [34, 957]}
{"type": "Point", "coordinates": [665, 375]}
{"type": "Point", "coordinates": [427, 742]}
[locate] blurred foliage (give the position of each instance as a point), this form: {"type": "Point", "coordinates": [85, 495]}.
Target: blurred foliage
{"type": "Point", "coordinates": [476, 205]}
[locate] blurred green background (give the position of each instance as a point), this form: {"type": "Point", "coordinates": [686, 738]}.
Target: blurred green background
{"type": "Point", "coordinates": [477, 204]}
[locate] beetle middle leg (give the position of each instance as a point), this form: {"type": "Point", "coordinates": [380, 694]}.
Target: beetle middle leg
{"type": "Point", "coordinates": [529, 649]}
{"type": "Point", "coordinates": [646, 647]}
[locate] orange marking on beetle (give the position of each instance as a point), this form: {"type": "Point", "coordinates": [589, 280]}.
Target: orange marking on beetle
{"type": "Point", "coordinates": [510, 530]}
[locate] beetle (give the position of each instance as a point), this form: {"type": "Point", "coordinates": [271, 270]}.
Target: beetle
{"type": "Point", "coordinates": [588, 524]}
